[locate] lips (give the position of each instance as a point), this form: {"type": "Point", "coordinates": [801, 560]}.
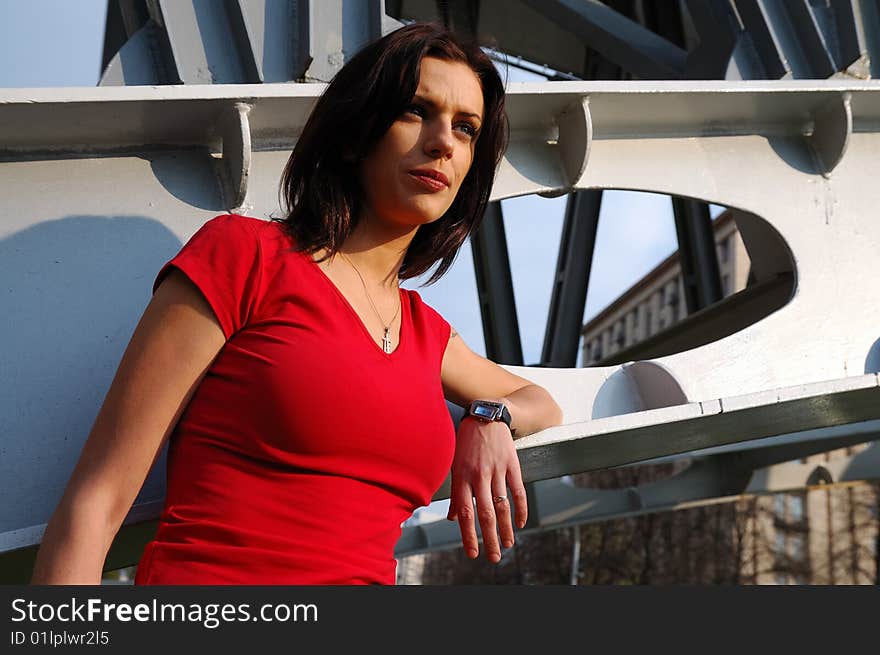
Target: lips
{"type": "Point", "coordinates": [428, 175]}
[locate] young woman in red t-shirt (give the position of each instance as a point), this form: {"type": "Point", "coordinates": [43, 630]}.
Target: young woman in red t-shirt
{"type": "Point", "coordinates": [342, 437]}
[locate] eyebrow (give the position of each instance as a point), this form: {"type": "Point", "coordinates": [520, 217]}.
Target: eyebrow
{"type": "Point", "coordinates": [433, 105]}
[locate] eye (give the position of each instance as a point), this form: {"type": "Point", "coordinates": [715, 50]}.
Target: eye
{"type": "Point", "coordinates": [416, 110]}
{"type": "Point", "coordinates": [467, 128]}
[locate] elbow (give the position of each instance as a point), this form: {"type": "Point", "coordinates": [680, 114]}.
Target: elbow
{"type": "Point", "coordinates": [551, 412]}
{"type": "Point", "coordinates": [556, 416]}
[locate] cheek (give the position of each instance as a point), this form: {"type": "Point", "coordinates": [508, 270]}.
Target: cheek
{"type": "Point", "coordinates": [375, 172]}
{"type": "Point", "coordinates": [464, 168]}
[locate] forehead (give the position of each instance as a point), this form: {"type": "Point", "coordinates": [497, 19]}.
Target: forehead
{"type": "Point", "coordinates": [451, 83]}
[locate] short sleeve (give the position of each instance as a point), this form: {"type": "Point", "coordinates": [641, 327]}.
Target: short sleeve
{"type": "Point", "coordinates": [438, 325]}
{"type": "Point", "coordinates": [224, 260]}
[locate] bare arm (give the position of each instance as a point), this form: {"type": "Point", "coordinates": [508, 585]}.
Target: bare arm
{"type": "Point", "coordinates": [170, 351]}
{"type": "Point", "coordinates": [485, 462]}
{"type": "Point", "coordinates": [466, 376]}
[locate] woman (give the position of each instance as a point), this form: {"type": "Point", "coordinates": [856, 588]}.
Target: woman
{"type": "Point", "coordinates": [302, 388]}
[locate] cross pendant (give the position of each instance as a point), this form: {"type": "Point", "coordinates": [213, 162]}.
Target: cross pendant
{"type": "Point", "coordinates": [386, 342]}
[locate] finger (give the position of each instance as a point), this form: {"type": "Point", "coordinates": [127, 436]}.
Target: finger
{"type": "Point", "coordinates": [486, 515]}
{"type": "Point", "coordinates": [502, 510]}
{"type": "Point", "coordinates": [518, 495]}
{"type": "Point", "coordinates": [464, 504]}
{"type": "Point", "coordinates": [452, 513]}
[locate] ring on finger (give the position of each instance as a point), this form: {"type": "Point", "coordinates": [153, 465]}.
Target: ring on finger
{"type": "Point", "coordinates": [499, 499]}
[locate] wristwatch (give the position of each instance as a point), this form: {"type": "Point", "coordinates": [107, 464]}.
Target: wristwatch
{"type": "Point", "coordinates": [489, 410]}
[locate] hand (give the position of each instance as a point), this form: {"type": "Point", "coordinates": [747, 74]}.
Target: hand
{"type": "Point", "coordinates": [485, 463]}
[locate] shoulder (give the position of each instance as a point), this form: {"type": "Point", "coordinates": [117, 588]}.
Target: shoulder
{"type": "Point", "coordinates": [234, 221]}
{"type": "Point", "coordinates": [244, 224]}
{"type": "Point", "coordinates": [238, 224]}
{"type": "Point", "coordinates": [229, 230]}
{"type": "Point", "coordinates": [418, 304]}
{"type": "Point", "coordinates": [424, 313]}
{"type": "Point", "coordinates": [267, 236]}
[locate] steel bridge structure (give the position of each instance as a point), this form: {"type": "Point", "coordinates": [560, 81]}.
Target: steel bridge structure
{"type": "Point", "coordinates": [766, 108]}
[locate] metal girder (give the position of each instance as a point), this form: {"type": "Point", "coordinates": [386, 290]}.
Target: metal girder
{"type": "Point", "coordinates": [792, 39]}
{"type": "Point", "coordinates": [719, 29]}
{"type": "Point", "coordinates": [629, 438]}
{"type": "Point", "coordinates": [338, 29]}
{"type": "Point", "coordinates": [696, 253]}
{"type": "Point", "coordinates": [124, 18]}
{"type": "Point", "coordinates": [706, 481]}
{"type": "Point", "coordinates": [495, 289]}
{"type": "Point", "coordinates": [240, 15]}
{"type": "Point", "coordinates": [852, 48]}
{"type": "Point", "coordinates": [461, 16]}
{"type": "Point", "coordinates": [144, 59]}
{"type": "Point", "coordinates": [769, 451]}
{"type": "Point", "coordinates": [738, 39]}
{"type": "Point", "coordinates": [806, 22]}
{"type": "Point", "coordinates": [199, 34]}
{"type": "Point", "coordinates": [764, 37]}
{"type": "Point", "coordinates": [662, 19]}
{"type": "Point", "coordinates": [237, 41]}
{"type": "Point", "coordinates": [571, 281]}
{"type": "Point", "coordinates": [633, 47]}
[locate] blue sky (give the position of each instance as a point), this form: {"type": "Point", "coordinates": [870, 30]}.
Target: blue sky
{"type": "Point", "coordinates": [59, 42]}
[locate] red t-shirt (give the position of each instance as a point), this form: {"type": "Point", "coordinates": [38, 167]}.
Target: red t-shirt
{"type": "Point", "coordinates": [305, 446]}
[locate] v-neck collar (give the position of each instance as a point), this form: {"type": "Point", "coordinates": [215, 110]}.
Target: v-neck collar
{"type": "Point", "coordinates": [404, 310]}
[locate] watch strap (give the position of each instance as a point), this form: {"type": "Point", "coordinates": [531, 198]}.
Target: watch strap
{"type": "Point", "coordinates": [503, 415]}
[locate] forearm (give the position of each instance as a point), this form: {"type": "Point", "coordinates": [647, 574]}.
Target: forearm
{"type": "Point", "coordinates": [531, 409]}
{"type": "Point", "coordinates": [73, 548]}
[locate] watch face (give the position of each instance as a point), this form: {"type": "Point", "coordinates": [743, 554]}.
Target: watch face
{"type": "Point", "coordinates": [484, 411]}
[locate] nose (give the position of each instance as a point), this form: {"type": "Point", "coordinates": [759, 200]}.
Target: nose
{"type": "Point", "coordinates": [439, 140]}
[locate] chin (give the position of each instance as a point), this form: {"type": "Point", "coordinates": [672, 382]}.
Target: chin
{"type": "Point", "coordinates": [424, 216]}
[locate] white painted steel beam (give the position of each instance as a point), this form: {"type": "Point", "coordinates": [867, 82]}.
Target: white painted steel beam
{"type": "Point", "coordinates": [706, 481]}
{"type": "Point", "coordinates": [633, 434]}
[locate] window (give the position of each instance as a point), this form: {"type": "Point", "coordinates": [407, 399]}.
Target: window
{"type": "Point", "coordinates": [796, 508]}
{"type": "Point", "coordinates": [779, 505]}
{"type": "Point", "coordinates": [780, 543]}
{"type": "Point", "coordinates": [619, 336]}
{"type": "Point", "coordinates": [724, 250]}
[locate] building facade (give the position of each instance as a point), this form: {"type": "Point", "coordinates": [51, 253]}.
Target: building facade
{"type": "Point", "coordinates": [656, 302]}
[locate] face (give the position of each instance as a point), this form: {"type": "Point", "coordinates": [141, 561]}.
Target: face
{"type": "Point", "coordinates": [414, 172]}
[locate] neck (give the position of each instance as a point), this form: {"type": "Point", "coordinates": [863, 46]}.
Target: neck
{"type": "Point", "coordinates": [378, 249]}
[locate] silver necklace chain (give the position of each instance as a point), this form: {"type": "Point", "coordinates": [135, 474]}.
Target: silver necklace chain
{"type": "Point", "coordinates": [386, 339]}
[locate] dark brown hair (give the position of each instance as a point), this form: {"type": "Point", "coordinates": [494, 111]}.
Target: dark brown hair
{"type": "Point", "coordinates": [320, 193]}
